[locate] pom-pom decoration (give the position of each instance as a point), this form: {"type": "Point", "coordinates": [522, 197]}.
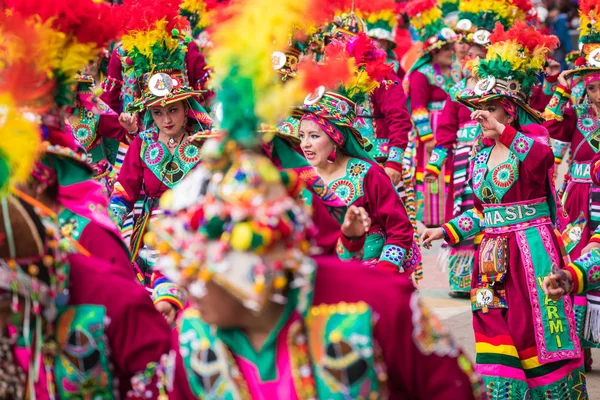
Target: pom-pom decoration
{"type": "Point", "coordinates": [486, 14]}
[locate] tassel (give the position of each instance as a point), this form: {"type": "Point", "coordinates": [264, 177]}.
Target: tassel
{"type": "Point", "coordinates": [331, 157]}
{"type": "Point", "coordinates": [443, 257]}
{"type": "Point", "coordinates": [591, 329]}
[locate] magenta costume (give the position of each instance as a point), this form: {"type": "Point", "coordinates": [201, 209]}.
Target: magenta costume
{"type": "Point", "coordinates": [113, 318]}
{"type": "Point", "coordinates": [427, 93]}
{"type": "Point", "coordinates": [518, 343]}
{"type": "Point", "coordinates": [345, 344]}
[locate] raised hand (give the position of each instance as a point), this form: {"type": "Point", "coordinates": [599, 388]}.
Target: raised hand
{"type": "Point", "coordinates": [356, 222]}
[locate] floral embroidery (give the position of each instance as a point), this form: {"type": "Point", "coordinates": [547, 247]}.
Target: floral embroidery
{"type": "Point", "coordinates": [350, 188]}
{"type": "Point", "coordinates": [393, 254]}
{"type": "Point", "coordinates": [189, 152]}
{"type": "Point", "coordinates": [434, 157]}
{"type": "Point", "coordinates": [503, 176]}
{"type": "Point", "coordinates": [154, 154]}
{"type": "Point", "coordinates": [594, 274]}
{"type": "Point", "coordinates": [465, 224]}
{"type": "Point", "coordinates": [521, 145]}
{"type": "Point", "coordinates": [344, 189]}
{"type": "Point", "coordinates": [170, 169]}
{"type": "Point", "coordinates": [358, 170]}
{"type": "Point", "coordinates": [587, 123]}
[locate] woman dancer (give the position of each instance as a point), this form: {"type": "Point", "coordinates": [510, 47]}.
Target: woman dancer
{"type": "Point", "coordinates": [525, 343]}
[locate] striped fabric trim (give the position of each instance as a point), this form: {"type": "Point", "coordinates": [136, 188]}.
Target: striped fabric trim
{"type": "Point", "coordinates": [450, 234]}
{"type": "Point", "coordinates": [432, 169]}
{"type": "Point", "coordinates": [578, 278]}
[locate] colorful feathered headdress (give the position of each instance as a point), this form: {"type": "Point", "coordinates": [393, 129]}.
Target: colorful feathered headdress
{"type": "Point", "coordinates": [478, 18]}
{"type": "Point", "coordinates": [510, 69]}
{"type": "Point", "coordinates": [72, 33]}
{"type": "Point", "coordinates": [426, 19]}
{"type": "Point", "coordinates": [589, 38]}
{"type": "Point", "coordinates": [156, 42]}
{"type": "Point", "coordinates": [449, 11]}
{"type": "Point", "coordinates": [44, 46]}
{"type": "Point", "coordinates": [248, 234]}
{"type": "Point", "coordinates": [381, 18]}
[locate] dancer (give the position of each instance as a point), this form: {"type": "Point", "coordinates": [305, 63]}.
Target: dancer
{"type": "Point", "coordinates": [457, 132]}
{"type": "Point", "coordinates": [92, 122]}
{"type": "Point", "coordinates": [428, 83]}
{"type": "Point", "coordinates": [578, 126]}
{"type": "Point", "coordinates": [61, 185]}
{"type": "Point", "coordinates": [54, 304]}
{"type": "Point", "coordinates": [520, 351]}
{"type": "Point", "coordinates": [175, 124]}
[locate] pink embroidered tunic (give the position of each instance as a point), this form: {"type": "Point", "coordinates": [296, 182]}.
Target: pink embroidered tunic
{"type": "Point", "coordinates": [519, 346]}
{"type": "Point", "coordinates": [345, 343]}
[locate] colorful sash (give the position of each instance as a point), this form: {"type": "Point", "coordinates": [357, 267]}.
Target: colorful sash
{"type": "Point", "coordinates": [554, 324]}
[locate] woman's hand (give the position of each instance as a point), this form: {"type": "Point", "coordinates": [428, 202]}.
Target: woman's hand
{"type": "Point", "coordinates": [553, 68]}
{"type": "Point", "coordinates": [590, 246]}
{"type": "Point", "coordinates": [430, 235]}
{"type": "Point", "coordinates": [129, 122]}
{"type": "Point", "coordinates": [429, 177]}
{"type": "Point", "coordinates": [395, 175]}
{"type": "Point", "coordinates": [490, 125]}
{"type": "Point", "coordinates": [356, 222]}
{"type": "Point", "coordinates": [564, 80]}
{"type": "Point", "coordinates": [557, 285]}
{"type": "Point", "coordinates": [168, 311]}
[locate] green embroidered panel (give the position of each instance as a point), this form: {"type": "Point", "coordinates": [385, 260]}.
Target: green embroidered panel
{"type": "Point", "coordinates": [81, 369]}
{"type": "Point", "coordinates": [491, 186]}
{"type": "Point", "coordinates": [204, 359]}
{"type": "Point", "coordinates": [343, 352]}
{"type": "Point", "coordinates": [351, 187]}
{"type": "Point", "coordinates": [168, 168]}
{"type": "Point", "coordinates": [71, 224]}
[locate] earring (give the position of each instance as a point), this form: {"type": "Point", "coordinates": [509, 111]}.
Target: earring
{"type": "Point", "coordinates": [332, 155]}
{"type": "Point", "coordinates": [185, 121]}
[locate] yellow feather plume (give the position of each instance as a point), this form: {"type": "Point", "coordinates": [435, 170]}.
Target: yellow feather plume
{"type": "Point", "coordinates": [247, 41]}
{"type": "Point", "coordinates": [145, 39]}
{"type": "Point", "coordinates": [19, 144]}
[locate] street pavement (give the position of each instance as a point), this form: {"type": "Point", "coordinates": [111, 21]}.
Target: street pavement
{"type": "Point", "coordinates": [456, 313]}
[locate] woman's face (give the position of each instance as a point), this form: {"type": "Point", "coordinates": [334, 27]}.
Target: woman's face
{"type": "Point", "coordinates": [498, 112]}
{"type": "Point", "coordinates": [218, 307]}
{"type": "Point", "coordinates": [476, 51]}
{"type": "Point", "coordinates": [170, 119]}
{"type": "Point", "coordinates": [593, 91]}
{"type": "Point", "coordinates": [445, 55]}
{"type": "Point", "coordinates": [315, 143]}
{"type": "Point", "coordinates": [461, 49]}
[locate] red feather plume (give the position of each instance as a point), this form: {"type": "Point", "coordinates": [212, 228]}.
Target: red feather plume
{"type": "Point", "coordinates": [142, 14]}
{"type": "Point", "coordinates": [415, 7]}
{"type": "Point", "coordinates": [88, 21]}
{"type": "Point", "coordinates": [527, 36]}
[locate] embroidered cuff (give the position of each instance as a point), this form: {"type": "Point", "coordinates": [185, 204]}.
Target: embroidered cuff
{"type": "Point", "coordinates": [353, 251]}
{"type": "Point", "coordinates": [393, 254]}
{"type": "Point", "coordinates": [556, 106]}
{"type": "Point", "coordinates": [170, 293]}
{"type": "Point", "coordinates": [466, 225]}
{"type": "Point", "coordinates": [577, 277]}
{"type": "Point", "coordinates": [395, 155]}
{"type": "Point", "coordinates": [420, 117]}
{"type": "Point", "coordinates": [550, 85]}
{"type": "Point", "coordinates": [437, 160]}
